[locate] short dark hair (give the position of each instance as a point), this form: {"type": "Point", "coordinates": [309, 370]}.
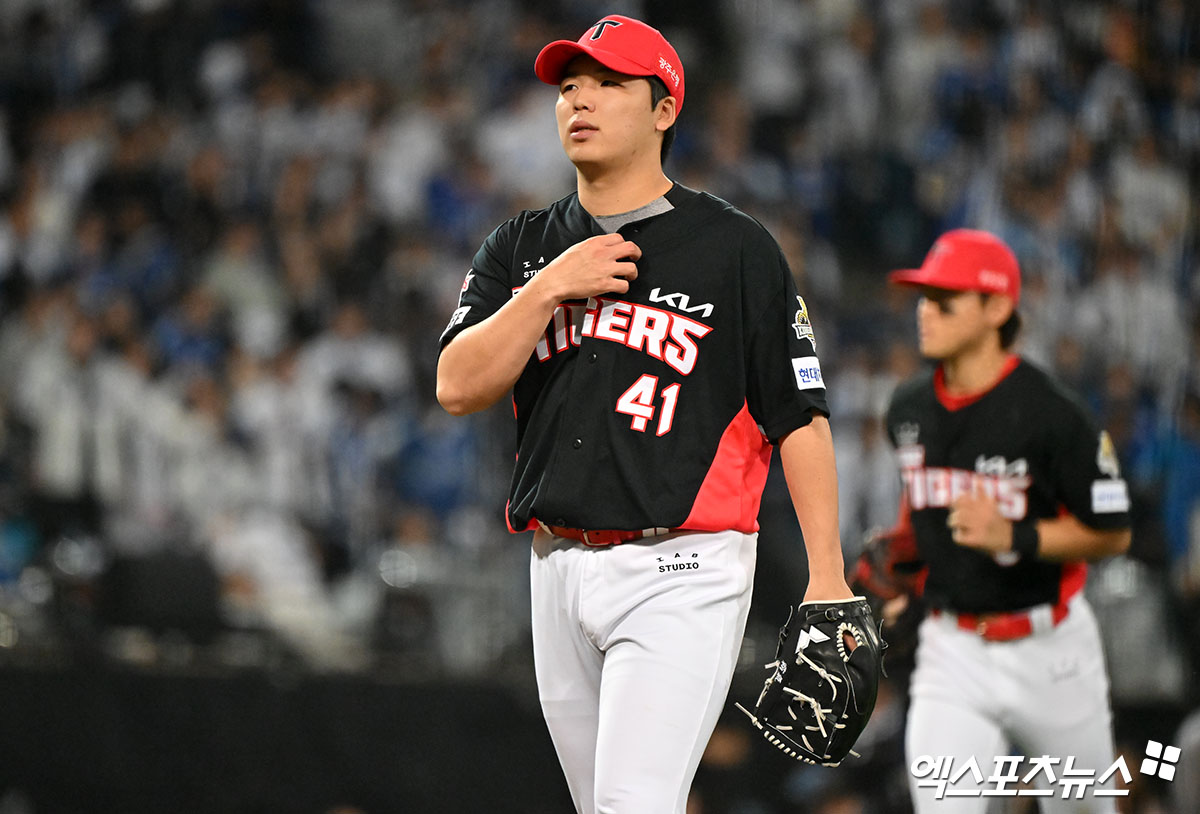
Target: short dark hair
{"type": "Point", "coordinates": [1010, 329]}
{"type": "Point", "coordinates": [658, 92]}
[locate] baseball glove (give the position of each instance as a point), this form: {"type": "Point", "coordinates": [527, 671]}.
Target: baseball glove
{"type": "Point", "coordinates": [889, 565]}
{"type": "Point", "coordinates": [823, 682]}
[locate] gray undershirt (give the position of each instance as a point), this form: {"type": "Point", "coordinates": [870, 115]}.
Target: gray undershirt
{"type": "Point", "coordinates": [611, 223]}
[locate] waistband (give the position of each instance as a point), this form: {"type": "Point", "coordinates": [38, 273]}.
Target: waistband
{"type": "Point", "coordinates": [603, 537]}
{"type": "Point", "coordinates": [1012, 625]}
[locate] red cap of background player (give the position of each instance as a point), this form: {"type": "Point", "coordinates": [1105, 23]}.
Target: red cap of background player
{"type": "Point", "coordinates": [967, 260]}
{"type": "Point", "coordinates": [623, 44]}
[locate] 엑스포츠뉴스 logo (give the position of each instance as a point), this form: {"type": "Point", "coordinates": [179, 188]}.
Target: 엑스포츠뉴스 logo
{"type": "Point", "coordinates": [1160, 760]}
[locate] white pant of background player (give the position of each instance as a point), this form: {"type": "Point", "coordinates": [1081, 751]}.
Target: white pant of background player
{"type": "Point", "coordinates": [634, 649]}
{"type": "Point", "coordinates": [1045, 694]}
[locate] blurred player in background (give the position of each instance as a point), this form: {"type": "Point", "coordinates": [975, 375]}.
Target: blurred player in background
{"type": "Point", "coordinates": [1009, 487]}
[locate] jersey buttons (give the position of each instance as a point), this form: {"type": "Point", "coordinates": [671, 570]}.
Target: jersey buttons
{"type": "Point", "coordinates": [577, 443]}
{"type": "Point", "coordinates": [592, 358]}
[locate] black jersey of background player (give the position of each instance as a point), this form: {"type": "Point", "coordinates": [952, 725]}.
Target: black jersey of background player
{"type": "Point", "coordinates": [649, 408]}
{"type": "Point", "coordinates": [1025, 442]}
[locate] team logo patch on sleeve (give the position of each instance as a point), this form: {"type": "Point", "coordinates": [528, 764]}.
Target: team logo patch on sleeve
{"type": "Point", "coordinates": [808, 373]}
{"type": "Point", "coordinates": [801, 323]}
{"type": "Point", "coordinates": [1106, 456]}
{"type": "Point", "coordinates": [1109, 496]}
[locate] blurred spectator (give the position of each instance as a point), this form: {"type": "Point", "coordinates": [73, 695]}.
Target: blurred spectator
{"type": "Point", "coordinates": [247, 288]}
{"type": "Point", "coordinates": [59, 394]}
{"type": "Point", "coordinates": [773, 74]}
{"type": "Point", "coordinates": [1181, 497]}
{"type": "Point", "coordinates": [847, 77]}
{"type": "Point", "coordinates": [197, 206]}
{"type": "Point", "coordinates": [969, 92]}
{"type": "Point", "coordinates": [191, 334]}
{"type": "Point", "coordinates": [352, 242]}
{"type": "Point", "coordinates": [1113, 110]}
{"type": "Point", "coordinates": [1152, 202]}
{"type": "Point", "coordinates": [868, 490]}
{"type": "Point", "coordinates": [351, 351]}
{"type": "Point", "coordinates": [273, 579]}
{"type": "Point", "coordinates": [283, 432]}
{"type": "Point", "coordinates": [1131, 315]}
{"type": "Point", "coordinates": [920, 51]}
{"type": "Point", "coordinates": [407, 150]}
{"type": "Point", "coordinates": [1183, 125]}
{"type": "Point", "coordinates": [145, 262]}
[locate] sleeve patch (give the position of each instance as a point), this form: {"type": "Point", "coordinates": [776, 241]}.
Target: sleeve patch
{"type": "Point", "coordinates": [457, 317]}
{"type": "Point", "coordinates": [1106, 456]}
{"type": "Point", "coordinates": [1110, 496]}
{"type": "Point", "coordinates": [802, 325]}
{"type": "Point", "coordinates": [808, 373]}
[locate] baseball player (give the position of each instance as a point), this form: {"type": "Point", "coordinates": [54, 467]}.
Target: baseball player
{"type": "Point", "coordinates": [1009, 487]}
{"type": "Point", "coordinates": [656, 349]}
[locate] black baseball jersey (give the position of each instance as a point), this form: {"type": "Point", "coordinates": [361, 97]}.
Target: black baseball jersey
{"type": "Point", "coordinates": [656, 407]}
{"type": "Point", "coordinates": [1027, 443]}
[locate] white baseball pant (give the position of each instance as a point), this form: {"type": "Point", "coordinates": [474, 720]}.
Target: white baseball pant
{"type": "Point", "coordinates": [634, 648]}
{"type": "Point", "coordinates": [1043, 695]}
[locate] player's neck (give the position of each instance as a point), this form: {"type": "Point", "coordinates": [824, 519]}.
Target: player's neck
{"type": "Point", "coordinates": [614, 192]}
{"type": "Point", "coordinates": [975, 370]}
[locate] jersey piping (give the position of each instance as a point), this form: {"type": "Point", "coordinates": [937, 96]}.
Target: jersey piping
{"type": "Point", "coordinates": [952, 402]}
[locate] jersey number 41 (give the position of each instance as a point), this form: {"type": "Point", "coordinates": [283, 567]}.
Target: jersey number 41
{"type": "Point", "coordinates": [638, 402]}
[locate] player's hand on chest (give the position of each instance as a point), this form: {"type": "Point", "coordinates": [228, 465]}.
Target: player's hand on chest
{"type": "Point", "coordinates": [605, 264]}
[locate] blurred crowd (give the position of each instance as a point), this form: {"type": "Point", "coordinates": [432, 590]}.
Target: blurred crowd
{"type": "Point", "coordinates": [231, 232]}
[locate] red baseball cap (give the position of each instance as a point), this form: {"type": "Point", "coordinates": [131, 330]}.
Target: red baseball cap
{"type": "Point", "coordinates": [623, 44]}
{"type": "Point", "coordinates": [966, 260]}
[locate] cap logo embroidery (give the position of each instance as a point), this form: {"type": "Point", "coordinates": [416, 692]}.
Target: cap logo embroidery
{"type": "Point", "coordinates": [666, 66]}
{"type": "Point", "coordinates": [602, 26]}
{"type": "Point", "coordinates": [993, 279]}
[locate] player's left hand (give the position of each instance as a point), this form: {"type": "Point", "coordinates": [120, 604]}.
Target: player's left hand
{"type": "Point", "coordinates": [975, 522]}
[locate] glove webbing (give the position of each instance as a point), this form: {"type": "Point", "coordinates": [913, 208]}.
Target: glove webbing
{"type": "Point", "coordinates": [819, 712]}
